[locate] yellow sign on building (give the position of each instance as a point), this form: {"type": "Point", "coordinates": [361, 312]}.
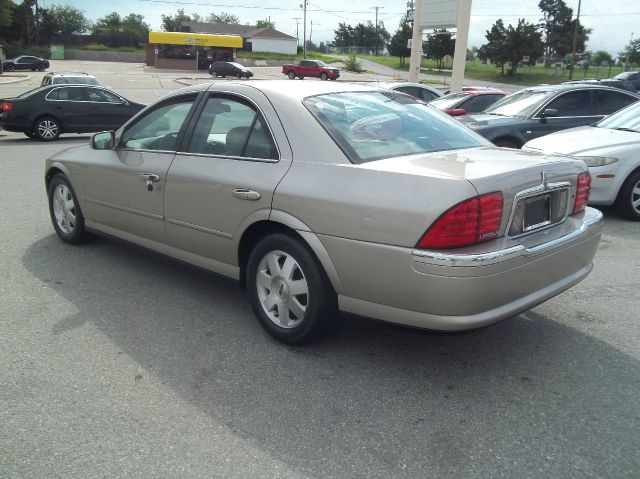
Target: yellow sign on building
{"type": "Point", "coordinates": [195, 39]}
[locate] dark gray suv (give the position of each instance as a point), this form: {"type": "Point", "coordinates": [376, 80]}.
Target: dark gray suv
{"type": "Point", "coordinates": [544, 109]}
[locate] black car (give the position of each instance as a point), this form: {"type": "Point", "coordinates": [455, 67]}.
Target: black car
{"type": "Point", "coordinates": [25, 62]}
{"type": "Point", "coordinates": [633, 77]}
{"type": "Point", "coordinates": [46, 112]}
{"type": "Point", "coordinates": [540, 110]}
{"type": "Point", "coordinates": [622, 84]}
{"type": "Point", "coordinates": [232, 69]}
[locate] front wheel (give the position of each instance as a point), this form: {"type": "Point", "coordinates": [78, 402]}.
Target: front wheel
{"type": "Point", "coordinates": [47, 129]}
{"type": "Point", "coordinates": [628, 201]}
{"type": "Point", "coordinates": [290, 294]}
{"type": "Point", "coordinates": [41, 67]}
{"type": "Point", "coordinates": [65, 212]}
{"type": "Point", "coordinates": [291, 75]}
{"type": "Point", "coordinates": [214, 74]}
{"type": "Point", "coordinates": [239, 76]}
{"type": "Point", "coordinates": [324, 76]}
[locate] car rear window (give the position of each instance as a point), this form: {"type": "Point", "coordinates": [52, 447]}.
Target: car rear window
{"type": "Point", "coordinates": [370, 126]}
{"type": "Point", "coordinates": [75, 81]}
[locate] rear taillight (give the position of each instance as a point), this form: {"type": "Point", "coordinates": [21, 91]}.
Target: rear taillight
{"type": "Point", "coordinates": [583, 188]}
{"type": "Point", "coordinates": [6, 106]}
{"type": "Point", "coordinates": [469, 222]}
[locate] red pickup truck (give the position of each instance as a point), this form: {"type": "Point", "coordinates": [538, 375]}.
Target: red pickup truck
{"type": "Point", "coordinates": [311, 68]}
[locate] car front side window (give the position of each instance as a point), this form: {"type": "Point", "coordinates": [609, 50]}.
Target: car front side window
{"type": "Point", "coordinates": [158, 129]}
{"type": "Point", "coordinates": [229, 127]}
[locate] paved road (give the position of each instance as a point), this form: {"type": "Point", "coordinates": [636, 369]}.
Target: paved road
{"type": "Point", "coordinates": [118, 363]}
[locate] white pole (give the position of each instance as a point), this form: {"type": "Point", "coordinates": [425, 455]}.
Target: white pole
{"type": "Point", "coordinates": [462, 37]}
{"type": "Point", "coordinates": [416, 43]}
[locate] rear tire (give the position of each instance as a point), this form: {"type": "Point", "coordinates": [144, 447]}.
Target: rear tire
{"type": "Point", "coordinates": [292, 75]}
{"type": "Point", "coordinates": [628, 201]}
{"type": "Point", "coordinates": [65, 212]}
{"type": "Point", "coordinates": [9, 68]}
{"type": "Point", "coordinates": [30, 134]}
{"type": "Point", "coordinates": [290, 293]}
{"type": "Point", "coordinates": [47, 129]}
{"type": "Point", "coordinates": [301, 77]}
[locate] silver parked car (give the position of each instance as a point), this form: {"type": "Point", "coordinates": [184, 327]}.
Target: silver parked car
{"type": "Point", "coordinates": [321, 197]}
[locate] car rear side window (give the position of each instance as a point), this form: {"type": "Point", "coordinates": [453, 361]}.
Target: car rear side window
{"type": "Point", "coordinates": [230, 127]}
{"type": "Point", "coordinates": [159, 128]}
{"type": "Point", "coordinates": [608, 102]}
{"type": "Point", "coordinates": [369, 126]}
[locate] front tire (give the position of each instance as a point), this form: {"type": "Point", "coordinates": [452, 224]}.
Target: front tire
{"type": "Point", "coordinates": [47, 129]}
{"type": "Point", "coordinates": [628, 201]}
{"type": "Point", "coordinates": [41, 67]}
{"type": "Point", "coordinates": [65, 212]}
{"type": "Point", "coordinates": [214, 74]}
{"type": "Point", "coordinates": [290, 294]}
{"type": "Point", "coordinates": [324, 76]}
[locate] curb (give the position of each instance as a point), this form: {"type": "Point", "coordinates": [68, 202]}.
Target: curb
{"type": "Point", "coordinates": [17, 80]}
{"type": "Point", "coordinates": [181, 82]}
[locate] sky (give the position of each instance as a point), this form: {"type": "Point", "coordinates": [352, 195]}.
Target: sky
{"type": "Point", "coordinates": [612, 21]}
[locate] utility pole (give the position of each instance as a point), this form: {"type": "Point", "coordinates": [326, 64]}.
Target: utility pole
{"type": "Point", "coordinates": [416, 43]}
{"type": "Point", "coordinates": [303, 5]}
{"type": "Point", "coordinates": [311, 32]}
{"type": "Point", "coordinates": [376, 9]}
{"type": "Point", "coordinates": [575, 42]}
{"type": "Point", "coordinates": [297, 23]}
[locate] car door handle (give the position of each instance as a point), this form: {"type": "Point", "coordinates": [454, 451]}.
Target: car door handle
{"type": "Point", "coordinates": [150, 179]}
{"type": "Point", "coordinates": [246, 194]}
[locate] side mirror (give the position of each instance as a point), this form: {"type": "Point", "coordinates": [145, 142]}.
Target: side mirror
{"type": "Point", "coordinates": [105, 140]}
{"type": "Point", "coordinates": [549, 112]}
{"type": "Point", "coordinates": [458, 112]}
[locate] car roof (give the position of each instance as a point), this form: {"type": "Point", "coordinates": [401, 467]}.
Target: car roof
{"type": "Point", "coordinates": [71, 74]}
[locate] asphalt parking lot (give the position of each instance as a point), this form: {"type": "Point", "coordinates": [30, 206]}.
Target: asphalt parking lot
{"type": "Point", "coordinates": [120, 363]}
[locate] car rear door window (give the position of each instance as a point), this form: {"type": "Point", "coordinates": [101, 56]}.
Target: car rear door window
{"type": "Point", "coordinates": [608, 102]}
{"type": "Point", "coordinates": [231, 127]}
{"type": "Point", "coordinates": [410, 90]}
{"type": "Point", "coordinates": [427, 95]}
{"type": "Point", "coordinates": [159, 128]}
{"type": "Point", "coordinates": [575, 103]}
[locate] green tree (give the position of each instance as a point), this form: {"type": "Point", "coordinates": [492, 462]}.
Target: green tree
{"type": "Point", "coordinates": [223, 17]}
{"type": "Point", "coordinates": [400, 40]}
{"type": "Point", "coordinates": [494, 49]}
{"type": "Point", "coordinates": [557, 25]}
{"type": "Point", "coordinates": [171, 23]}
{"type": "Point", "coordinates": [601, 56]}
{"type": "Point", "coordinates": [110, 24]}
{"type": "Point", "coordinates": [631, 53]}
{"type": "Point", "coordinates": [439, 44]}
{"type": "Point", "coordinates": [343, 36]}
{"type": "Point", "coordinates": [265, 24]}
{"type": "Point", "coordinates": [64, 19]}
{"type": "Point", "coordinates": [196, 17]}
{"type": "Point", "coordinates": [135, 26]}
{"type": "Point", "coordinates": [6, 15]}
{"type": "Point", "coordinates": [523, 40]}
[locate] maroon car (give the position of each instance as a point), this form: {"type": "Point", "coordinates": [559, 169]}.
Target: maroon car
{"type": "Point", "coordinates": [311, 68]}
{"type": "Point", "coordinates": [470, 100]}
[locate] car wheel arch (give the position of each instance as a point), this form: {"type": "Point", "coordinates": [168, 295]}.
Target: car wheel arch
{"type": "Point", "coordinates": [258, 230]}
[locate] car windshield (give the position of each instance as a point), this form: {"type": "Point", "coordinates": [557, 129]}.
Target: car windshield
{"type": "Point", "coordinates": [626, 119]}
{"type": "Point", "coordinates": [321, 64]}
{"type": "Point", "coordinates": [448, 101]}
{"type": "Point", "coordinates": [237, 65]}
{"type": "Point", "coordinates": [521, 104]}
{"type": "Point", "coordinates": [370, 126]}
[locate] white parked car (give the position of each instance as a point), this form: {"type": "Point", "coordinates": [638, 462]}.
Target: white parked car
{"type": "Point", "coordinates": [611, 150]}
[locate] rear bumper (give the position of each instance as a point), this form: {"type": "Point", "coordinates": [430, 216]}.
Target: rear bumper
{"type": "Point", "coordinates": [454, 291]}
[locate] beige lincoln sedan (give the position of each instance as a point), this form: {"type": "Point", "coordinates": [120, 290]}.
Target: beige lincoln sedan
{"type": "Point", "coordinates": [324, 197]}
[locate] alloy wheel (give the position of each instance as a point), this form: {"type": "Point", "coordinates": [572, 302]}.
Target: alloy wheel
{"type": "Point", "coordinates": [64, 209]}
{"type": "Point", "coordinates": [47, 129]}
